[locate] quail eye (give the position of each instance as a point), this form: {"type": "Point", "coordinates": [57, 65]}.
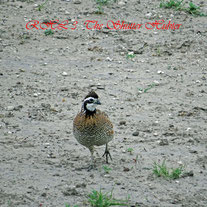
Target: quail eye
{"type": "Point", "coordinates": [90, 100]}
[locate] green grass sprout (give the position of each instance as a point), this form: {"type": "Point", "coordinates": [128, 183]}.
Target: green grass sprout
{"type": "Point", "coordinates": [180, 5]}
{"type": "Point", "coordinates": [49, 32]}
{"type": "Point", "coordinates": [100, 199]}
{"type": "Point", "coordinates": [100, 4]}
{"type": "Point", "coordinates": [106, 169]}
{"type": "Point", "coordinates": [130, 55]}
{"type": "Point", "coordinates": [161, 170]}
{"type": "Point", "coordinates": [41, 5]}
{"type": "Point", "coordinates": [171, 4]}
{"type": "Point", "coordinates": [130, 150]}
{"type": "Point", "coordinates": [144, 90]}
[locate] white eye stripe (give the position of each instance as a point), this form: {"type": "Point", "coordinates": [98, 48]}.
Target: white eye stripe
{"type": "Point", "coordinates": [88, 99]}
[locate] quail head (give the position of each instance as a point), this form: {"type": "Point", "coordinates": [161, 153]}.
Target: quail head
{"type": "Point", "coordinates": [91, 127]}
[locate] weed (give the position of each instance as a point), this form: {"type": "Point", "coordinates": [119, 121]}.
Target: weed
{"type": "Point", "coordinates": [100, 4]}
{"type": "Point", "coordinates": [130, 55]}
{"type": "Point", "coordinates": [171, 4]}
{"type": "Point", "coordinates": [9, 203]}
{"type": "Point", "coordinates": [49, 32]}
{"type": "Point", "coordinates": [158, 51]}
{"type": "Point", "coordinates": [106, 169]}
{"type": "Point", "coordinates": [161, 170]}
{"type": "Point", "coordinates": [99, 199]}
{"type": "Point", "coordinates": [130, 150]}
{"type": "Point", "coordinates": [41, 5]}
{"type": "Point", "coordinates": [148, 88]}
{"type": "Point", "coordinates": [67, 205]}
{"type": "Point", "coordinates": [194, 10]}
{"type": "Point", "coordinates": [179, 5]}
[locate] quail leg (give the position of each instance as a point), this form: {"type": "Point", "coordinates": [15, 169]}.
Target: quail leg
{"type": "Point", "coordinates": [107, 153]}
{"type": "Point", "coordinates": [92, 165]}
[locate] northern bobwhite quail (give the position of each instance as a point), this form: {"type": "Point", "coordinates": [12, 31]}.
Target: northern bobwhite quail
{"type": "Point", "coordinates": [92, 127]}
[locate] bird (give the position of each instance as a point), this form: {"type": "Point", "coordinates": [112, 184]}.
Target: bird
{"type": "Point", "coordinates": [92, 127]}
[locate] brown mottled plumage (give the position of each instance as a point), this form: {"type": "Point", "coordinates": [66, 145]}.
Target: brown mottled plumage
{"type": "Point", "coordinates": [92, 127]}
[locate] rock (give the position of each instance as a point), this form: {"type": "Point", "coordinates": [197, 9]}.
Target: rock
{"type": "Point", "coordinates": [163, 142]}
{"type": "Point", "coordinates": [148, 15]}
{"type": "Point", "coordinates": [21, 70]}
{"type": "Point", "coordinates": [71, 190]}
{"type": "Point", "coordinates": [126, 169]}
{"type": "Point", "coordinates": [81, 185]}
{"type": "Point", "coordinates": [10, 108]}
{"type": "Point", "coordinates": [193, 151]}
{"type": "Point", "coordinates": [121, 3]}
{"type": "Point", "coordinates": [131, 53]}
{"type": "Point", "coordinates": [109, 59]}
{"type": "Point", "coordinates": [157, 83]}
{"type": "Point", "coordinates": [18, 108]}
{"type": "Point", "coordinates": [43, 194]}
{"type": "Point", "coordinates": [64, 74]}
{"type": "Point", "coordinates": [77, 2]}
{"type": "Point", "coordinates": [188, 174]}
{"type": "Point", "coordinates": [122, 123]}
{"type": "Point", "coordinates": [135, 134]}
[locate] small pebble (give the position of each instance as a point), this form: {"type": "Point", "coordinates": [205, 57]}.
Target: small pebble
{"type": "Point", "coordinates": [10, 108]}
{"type": "Point", "coordinates": [131, 53]}
{"type": "Point", "coordinates": [157, 83]}
{"type": "Point", "coordinates": [81, 185]}
{"type": "Point", "coordinates": [148, 14]}
{"type": "Point", "coordinates": [77, 2]}
{"type": "Point", "coordinates": [121, 3]}
{"type": "Point", "coordinates": [135, 134]}
{"type": "Point", "coordinates": [64, 74]}
{"type": "Point", "coordinates": [180, 162]}
{"type": "Point", "coordinates": [122, 123]}
{"type": "Point", "coordinates": [43, 194]}
{"type": "Point", "coordinates": [163, 142]}
{"type": "Point", "coordinates": [70, 191]}
{"type": "Point", "coordinates": [188, 174]}
{"type": "Point", "coordinates": [126, 169]}
{"type": "Point", "coordinates": [193, 151]}
{"type": "Point", "coordinates": [109, 59]}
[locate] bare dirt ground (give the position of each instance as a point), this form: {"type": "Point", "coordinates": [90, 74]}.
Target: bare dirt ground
{"type": "Point", "coordinates": [43, 80]}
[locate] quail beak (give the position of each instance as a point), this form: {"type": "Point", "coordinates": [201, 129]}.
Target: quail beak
{"type": "Point", "coordinates": [97, 102]}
